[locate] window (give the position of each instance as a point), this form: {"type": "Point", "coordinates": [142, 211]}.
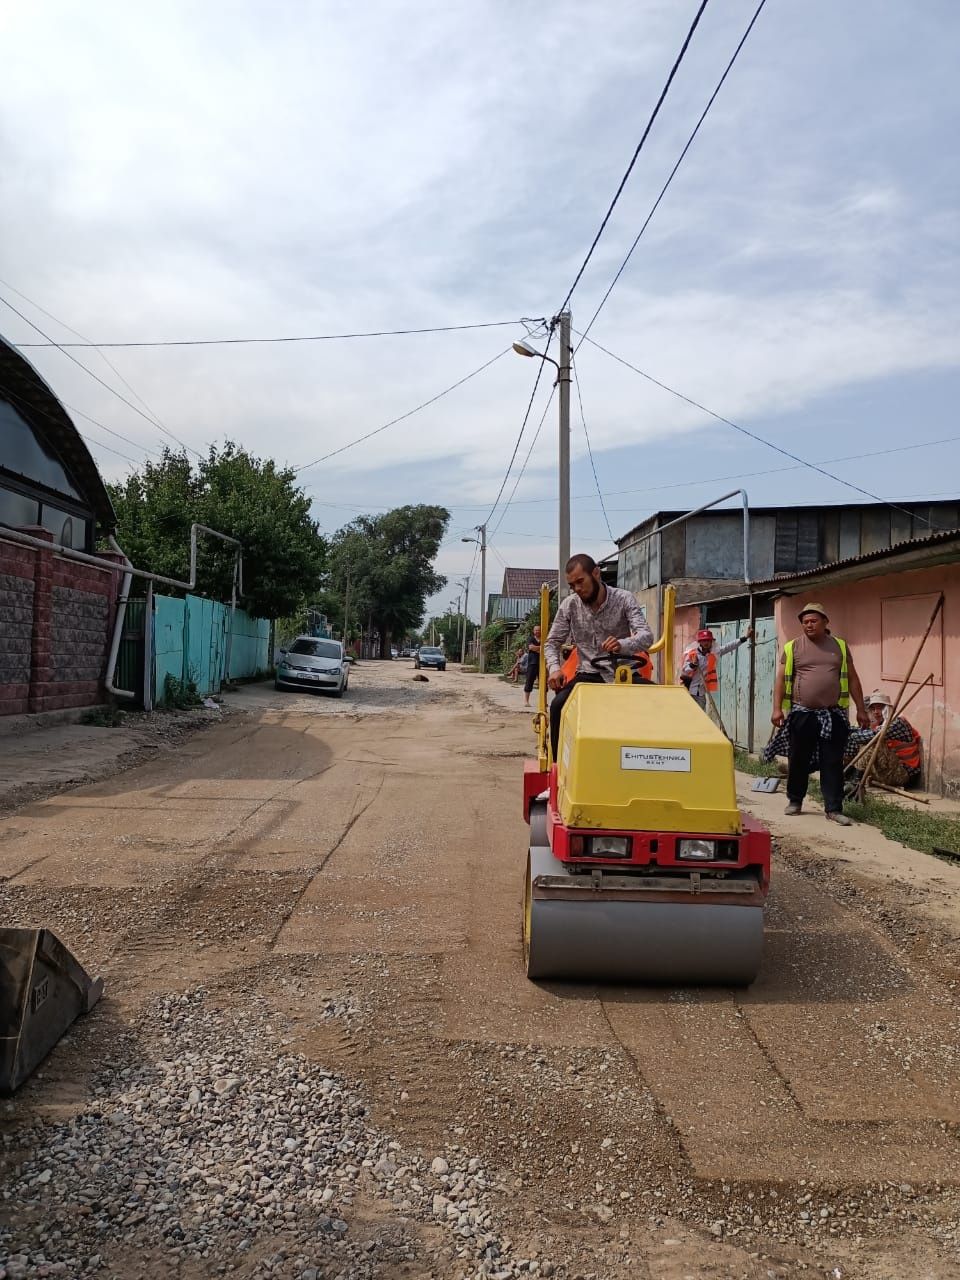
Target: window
{"type": "Point", "coordinates": [17, 509]}
{"type": "Point", "coordinates": [25, 456]}
{"type": "Point", "coordinates": [317, 648]}
{"type": "Point", "coordinates": [68, 528]}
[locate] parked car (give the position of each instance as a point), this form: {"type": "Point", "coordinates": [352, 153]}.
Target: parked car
{"type": "Point", "coordinates": [428, 656]}
{"type": "Point", "coordinates": [393, 652]}
{"type": "Point", "coordinates": [313, 663]}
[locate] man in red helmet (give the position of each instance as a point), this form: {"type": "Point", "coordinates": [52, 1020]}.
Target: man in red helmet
{"type": "Point", "coordinates": [699, 665]}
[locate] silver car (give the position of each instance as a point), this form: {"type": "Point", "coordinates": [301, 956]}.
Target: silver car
{"type": "Point", "coordinates": [313, 663]}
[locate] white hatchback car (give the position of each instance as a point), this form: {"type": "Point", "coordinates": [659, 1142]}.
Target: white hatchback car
{"type": "Point", "coordinates": [313, 663]}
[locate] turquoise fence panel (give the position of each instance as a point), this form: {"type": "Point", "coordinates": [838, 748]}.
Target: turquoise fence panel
{"type": "Point", "coordinates": [191, 643]}
{"type": "Point", "coordinates": [169, 618]}
{"type": "Point", "coordinates": [765, 670]}
{"type": "Point", "coordinates": [733, 696]}
{"type": "Point", "coordinates": [249, 646]}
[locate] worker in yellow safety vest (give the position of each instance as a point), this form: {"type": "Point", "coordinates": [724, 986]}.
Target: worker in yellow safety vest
{"type": "Point", "coordinates": [815, 681]}
{"type": "Point", "coordinates": [698, 668]}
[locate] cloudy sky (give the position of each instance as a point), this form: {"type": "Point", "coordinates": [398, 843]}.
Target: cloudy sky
{"type": "Point", "coordinates": [190, 171]}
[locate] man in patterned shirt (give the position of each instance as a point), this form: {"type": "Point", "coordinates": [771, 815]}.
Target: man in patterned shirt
{"type": "Point", "coordinates": [596, 619]}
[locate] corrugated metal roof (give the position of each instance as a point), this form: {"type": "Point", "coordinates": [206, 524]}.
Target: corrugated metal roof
{"type": "Point", "coordinates": [920, 548]}
{"type": "Point", "coordinates": [526, 583]}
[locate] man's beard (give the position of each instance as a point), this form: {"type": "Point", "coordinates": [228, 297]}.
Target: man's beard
{"type": "Point", "coordinates": [593, 594]}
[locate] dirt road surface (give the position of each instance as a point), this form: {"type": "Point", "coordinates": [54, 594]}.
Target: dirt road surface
{"type": "Point", "coordinates": [318, 1055]}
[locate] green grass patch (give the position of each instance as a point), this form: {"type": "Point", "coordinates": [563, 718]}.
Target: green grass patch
{"type": "Point", "coordinates": [747, 763]}
{"type": "Point", "coordinates": [916, 828]}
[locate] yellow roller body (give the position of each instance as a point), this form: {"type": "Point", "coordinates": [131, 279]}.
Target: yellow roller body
{"type": "Point", "coordinates": [644, 758]}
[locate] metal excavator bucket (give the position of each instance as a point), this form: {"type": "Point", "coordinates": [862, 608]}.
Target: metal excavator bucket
{"type": "Point", "coordinates": [43, 990]}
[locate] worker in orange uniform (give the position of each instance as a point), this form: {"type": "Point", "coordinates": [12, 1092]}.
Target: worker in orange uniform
{"type": "Point", "coordinates": [699, 666]}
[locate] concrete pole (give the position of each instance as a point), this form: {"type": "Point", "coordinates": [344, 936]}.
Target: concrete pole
{"type": "Point", "coordinates": [482, 530]}
{"type": "Point", "coordinates": [466, 614]}
{"type": "Point", "coordinates": [563, 378]}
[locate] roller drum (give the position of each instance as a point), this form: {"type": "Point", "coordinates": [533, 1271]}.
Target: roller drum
{"type": "Point", "coordinates": [594, 938]}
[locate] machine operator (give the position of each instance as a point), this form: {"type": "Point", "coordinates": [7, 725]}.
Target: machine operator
{"type": "Point", "coordinates": [597, 619]}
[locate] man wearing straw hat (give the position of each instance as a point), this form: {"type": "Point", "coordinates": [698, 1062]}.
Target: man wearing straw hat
{"type": "Point", "coordinates": [815, 681]}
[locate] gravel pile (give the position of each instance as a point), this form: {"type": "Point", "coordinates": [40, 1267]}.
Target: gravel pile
{"type": "Point", "coordinates": [213, 1149]}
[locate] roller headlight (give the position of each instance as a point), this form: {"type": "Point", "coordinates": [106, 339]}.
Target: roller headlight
{"type": "Point", "coordinates": [697, 850]}
{"type": "Point", "coordinates": [609, 846]}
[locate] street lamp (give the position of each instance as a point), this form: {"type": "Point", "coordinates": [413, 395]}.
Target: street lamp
{"type": "Point", "coordinates": [563, 381]}
{"type": "Point", "coordinates": [482, 543]}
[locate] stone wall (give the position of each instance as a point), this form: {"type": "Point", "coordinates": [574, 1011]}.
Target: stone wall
{"type": "Point", "coordinates": [56, 622]}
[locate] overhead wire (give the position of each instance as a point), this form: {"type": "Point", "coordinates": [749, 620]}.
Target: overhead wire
{"type": "Point", "coordinates": [536, 436]}
{"type": "Point", "coordinates": [673, 172]}
{"type": "Point", "coordinates": [308, 337]}
{"type": "Point", "coordinates": [523, 427]}
{"type": "Point", "coordinates": [96, 377]}
{"type": "Point", "coordinates": [752, 435]}
{"type": "Point", "coordinates": [403, 416]}
{"type": "Point", "coordinates": [586, 435]}
{"type": "Point", "coordinates": [86, 342]}
{"type": "Point", "coordinates": [623, 181]}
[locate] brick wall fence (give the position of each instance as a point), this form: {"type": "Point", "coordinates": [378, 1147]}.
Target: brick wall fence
{"type": "Point", "coordinates": [56, 622]}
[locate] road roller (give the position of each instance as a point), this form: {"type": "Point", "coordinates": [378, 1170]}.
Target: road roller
{"type": "Point", "coordinates": [641, 867]}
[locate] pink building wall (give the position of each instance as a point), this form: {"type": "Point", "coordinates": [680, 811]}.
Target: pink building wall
{"type": "Point", "coordinates": [883, 619]}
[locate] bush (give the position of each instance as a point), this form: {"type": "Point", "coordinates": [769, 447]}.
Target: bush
{"type": "Point", "coordinates": [103, 717]}
{"type": "Point", "coordinates": [179, 695]}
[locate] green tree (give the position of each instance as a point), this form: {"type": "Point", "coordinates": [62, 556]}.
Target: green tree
{"type": "Point", "coordinates": [386, 562]}
{"type": "Point", "coordinates": [448, 631]}
{"type": "Point", "coordinates": [232, 491]}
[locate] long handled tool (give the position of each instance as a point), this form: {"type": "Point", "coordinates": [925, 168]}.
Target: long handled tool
{"type": "Point", "coordinates": [867, 745]}
{"type": "Point", "coordinates": [878, 740]}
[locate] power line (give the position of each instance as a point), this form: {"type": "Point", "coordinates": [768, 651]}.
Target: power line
{"type": "Point", "coordinates": [752, 435]}
{"type": "Point", "coordinates": [309, 337]}
{"type": "Point", "coordinates": [98, 444]}
{"type": "Point", "coordinates": [623, 181]}
{"type": "Point", "coordinates": [109, 430]}
{"type": "Point", "coordinates": [523, 427]}
{"type": "Point", "coordinates": [113, 391]}
{"type": "Point", "coordinates": [106, 359]}
{"type": "Point", "coordinates": [586, 435]}
{"type": "Point", "coordinates": [536, 437]}
{"type": "Point", "coordinates": [673, 171]}
{"type": "Point", "coordinates": [403, 416]}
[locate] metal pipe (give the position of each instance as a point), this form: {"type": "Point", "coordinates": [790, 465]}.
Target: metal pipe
{"type": "Point", "coordinates": [148, 650]}
{"type": "Point", "coordinates": [129, 572]}
{"type": "Point", "coordinates": [742, 493]}
{"type": "Point", "coordinates": [115, 639]}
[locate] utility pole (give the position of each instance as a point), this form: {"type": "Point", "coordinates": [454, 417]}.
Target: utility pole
{"type": "Point", "coordinates": [563, 378]}
{"type": "Point", "coordinates": [466, 614]}
{"type": "Point", "coordinates": [346, 613]}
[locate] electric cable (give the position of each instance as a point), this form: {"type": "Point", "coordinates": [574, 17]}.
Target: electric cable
{"type": "Point", "coordinates": [523, 427]}
{"type": "Point", "coordinates": [86, 342]}
{"type": "Point", "coordinates": [236, 342]}
{"type": "Point", "coordinates": [536, 436]}
{"type": "Point", "coordinates": [586, 434]}
{"type": "Point", "coordinates": [96, 377]}
{"type": "Point", "coordinates": [752, 435]}
{"type": "Point", "coordinates": [673, 172]}
{"type": "Point", "coordinates": [623, 181]}
{"type": "Point", "coordinates": [403, 416]}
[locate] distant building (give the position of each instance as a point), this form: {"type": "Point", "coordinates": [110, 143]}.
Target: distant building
{"type": "Point", "coordinates": [704, 556]}
{"type": "Point", "coordinates": [519, 594]}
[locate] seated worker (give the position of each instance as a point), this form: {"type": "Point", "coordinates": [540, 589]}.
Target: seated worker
{"type": "Point", "coordinates": [596, 619]}
{"type": "Point", "coordinates": [899, 760]}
